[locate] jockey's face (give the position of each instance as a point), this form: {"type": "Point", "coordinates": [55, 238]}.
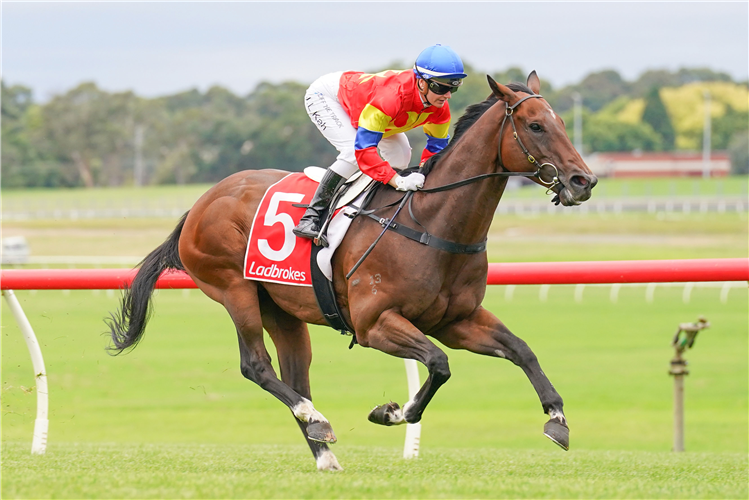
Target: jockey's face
{"type": "Point", "coordinates": [437, 100]}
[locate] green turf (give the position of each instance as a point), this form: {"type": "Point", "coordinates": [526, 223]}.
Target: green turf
{"type": "Point", "coordinates": [182, 383]}
{"type": "Point", "coordinates": [174, 418]}
{"type": "Point", "coordinates": [264, 471]}
{"type": "Point", "coordinates": [151, 197]}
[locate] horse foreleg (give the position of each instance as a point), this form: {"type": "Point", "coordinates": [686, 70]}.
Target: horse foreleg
{"type": "Point", "coordinates": [483, 333]}
{"type": "Point", "coordinates": [395, 335]}
{"type": "Point", "coordinates": [291, 338]}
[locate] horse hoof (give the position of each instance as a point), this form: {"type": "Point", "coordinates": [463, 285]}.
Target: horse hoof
{"type": "Point", "coordinates": [326, 461]}
{"type": "Point", "coordinates": [389, 414]}
{"type": "Point", "coordinates": [321, 432]}
{"type": "Point", "coordinates": [559, 433]}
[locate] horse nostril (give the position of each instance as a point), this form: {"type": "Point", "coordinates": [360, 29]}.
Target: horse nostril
{"type": "Point", "coordinates": [583, 181]}
{"type": "Point", "coordinates": [579, 180]}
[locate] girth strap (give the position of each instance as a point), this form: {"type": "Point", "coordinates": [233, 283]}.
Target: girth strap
{"type": "Point", "coordinates": [429, 239]}
{"type": "Point", "coordinates": [326, 300]}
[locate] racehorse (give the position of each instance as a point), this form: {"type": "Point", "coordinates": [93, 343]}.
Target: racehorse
{"type": "Point", "coordinates": [420, 292]}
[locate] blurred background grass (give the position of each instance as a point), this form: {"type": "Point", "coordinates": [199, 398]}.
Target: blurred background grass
{"type": "Point", "coordinates": [182, 383]}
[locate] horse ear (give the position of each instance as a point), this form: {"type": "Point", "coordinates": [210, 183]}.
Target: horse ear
{"type": "Point", "coordinates": [534, 83]}
{"type": "Point", "coordinates": [500, 91]}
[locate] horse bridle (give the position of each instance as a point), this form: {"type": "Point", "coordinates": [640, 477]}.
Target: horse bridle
{"type": "Point", "coordinates": [509, 113]}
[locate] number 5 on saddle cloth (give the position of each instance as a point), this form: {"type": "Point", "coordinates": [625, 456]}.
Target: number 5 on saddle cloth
{"type": "Point", "coordinates": [275, 254]}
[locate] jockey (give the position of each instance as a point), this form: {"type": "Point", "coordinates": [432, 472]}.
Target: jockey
{"type": "Point", "coordinates": [363, 114]}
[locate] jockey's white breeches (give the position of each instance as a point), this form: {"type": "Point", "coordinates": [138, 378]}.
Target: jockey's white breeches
{"type": "Point", "coordinates": [327, 113]}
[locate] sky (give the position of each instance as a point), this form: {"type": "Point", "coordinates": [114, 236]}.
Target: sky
{"type": "Point", "coordinates": [161, 48]}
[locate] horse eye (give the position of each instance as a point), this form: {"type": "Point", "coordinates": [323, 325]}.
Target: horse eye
{"type": "Point", "coordinates": [535, 127]}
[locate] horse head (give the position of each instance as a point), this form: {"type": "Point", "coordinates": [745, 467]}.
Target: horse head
{"type": "Point", "coordinates": [538, 142]}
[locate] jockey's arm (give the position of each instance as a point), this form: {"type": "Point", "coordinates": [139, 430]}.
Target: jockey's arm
{"type": "Point", "coordinates": [437, 139]}
{"type": "Point", "coordinates": [371, 164]}
{"type": "Point", "coordinates": [372, 125]}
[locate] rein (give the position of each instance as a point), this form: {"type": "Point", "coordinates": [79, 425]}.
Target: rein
{"type": "Point", "coordinates": [470, 180]}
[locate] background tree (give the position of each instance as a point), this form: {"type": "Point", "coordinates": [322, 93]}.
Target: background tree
{"type": "Point", "coordinates": [727, 126]}
{"type": "Point", "coordinates": [656, 115]}
{"type": "Point", "coordinates": [601, 133]}
{"type": "Point", "coordinates": [16, 149]}
{"type": "Point", "coordinates": [598, 89]}
{"type": "Point", "coordinates": [88, 136]}
{"type": "Point", "coordinates": [91, 130]}
{"type": "Point", "coordinates": [738, 148]}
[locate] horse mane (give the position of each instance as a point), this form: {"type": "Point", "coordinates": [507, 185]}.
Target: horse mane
{"type": "Point", "coordinates": [471, 116]}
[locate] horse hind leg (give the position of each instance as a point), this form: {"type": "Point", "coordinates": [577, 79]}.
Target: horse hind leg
{"type": "Point", "coordinates": [255, 364]}
{"type": "Point", "coordinates": [291, 338]}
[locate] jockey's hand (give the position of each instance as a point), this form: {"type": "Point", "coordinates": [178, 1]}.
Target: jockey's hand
{"type": "Point", "coordinates": [412, 182]}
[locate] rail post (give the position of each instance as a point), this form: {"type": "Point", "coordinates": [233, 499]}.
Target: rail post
{"type": "Point", "coordinates": [683, 340]}
{"type": "Point", "coordinates": [413, 431]}
{"type": "Point", "coordinates": [41, 424]}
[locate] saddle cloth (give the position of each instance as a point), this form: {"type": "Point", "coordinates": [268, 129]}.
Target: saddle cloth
{"type": "Point", "coordinates": [274, 253]}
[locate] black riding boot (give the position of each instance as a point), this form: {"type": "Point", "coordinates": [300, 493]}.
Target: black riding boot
{"type": "Point", "coordinates": [309, 226]}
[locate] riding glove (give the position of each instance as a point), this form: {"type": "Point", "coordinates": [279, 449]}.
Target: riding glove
{"type": "Point", "coordinates": [410, 183]}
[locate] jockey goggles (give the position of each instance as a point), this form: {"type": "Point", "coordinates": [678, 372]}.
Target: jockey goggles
{"type": "Point", "coordinates": [442, 88]}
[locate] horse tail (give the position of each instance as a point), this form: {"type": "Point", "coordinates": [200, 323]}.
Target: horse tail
{"type": "Point", "coordinates": [127, 325]}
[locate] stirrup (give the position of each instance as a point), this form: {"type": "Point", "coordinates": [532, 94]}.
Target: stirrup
{"type": "Point", "coordinates": [316, 236]}
{"type": "Point", "coordinates": [321, 240]}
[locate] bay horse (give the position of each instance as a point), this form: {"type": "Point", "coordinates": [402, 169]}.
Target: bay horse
{"type": "Point", "coordinates": [420, 292]}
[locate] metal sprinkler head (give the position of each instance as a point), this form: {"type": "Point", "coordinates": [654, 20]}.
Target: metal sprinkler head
{"type": "Point", "coordinates": [687, 334]}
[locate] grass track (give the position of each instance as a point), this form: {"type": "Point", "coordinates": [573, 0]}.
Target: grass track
{"type": "Point", "coordinates": [235, 471]}
{"type": "Point", "coordinates": [182, 382]}
{"type": "Point", "coordinates": [175, 419]}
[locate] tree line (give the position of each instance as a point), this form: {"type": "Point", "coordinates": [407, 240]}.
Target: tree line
{"type": "Point", "coordinates": [90, 137]}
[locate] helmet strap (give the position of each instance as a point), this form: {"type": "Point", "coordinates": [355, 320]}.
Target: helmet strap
{"type": "Point", "coordinates": [425, 92]}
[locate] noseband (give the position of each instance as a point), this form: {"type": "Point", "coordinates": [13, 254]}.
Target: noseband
{"type": "Point", "coordinates": [509, 110]}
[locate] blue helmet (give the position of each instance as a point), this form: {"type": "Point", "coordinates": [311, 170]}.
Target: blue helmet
{"type": "Point", "coordinates": [441, 62]}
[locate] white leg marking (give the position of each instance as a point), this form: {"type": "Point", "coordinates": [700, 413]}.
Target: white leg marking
{"type": "Point", "coordinates": [400, 415]}
{"type": "Point", "coordinates": [499, 353]}
{"type": "Point", "coordinates": [557, 415]}
{"type": "Point", "coordinates": [305, 412]}
{"type": "Point", "coordinates": [327, 461]}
